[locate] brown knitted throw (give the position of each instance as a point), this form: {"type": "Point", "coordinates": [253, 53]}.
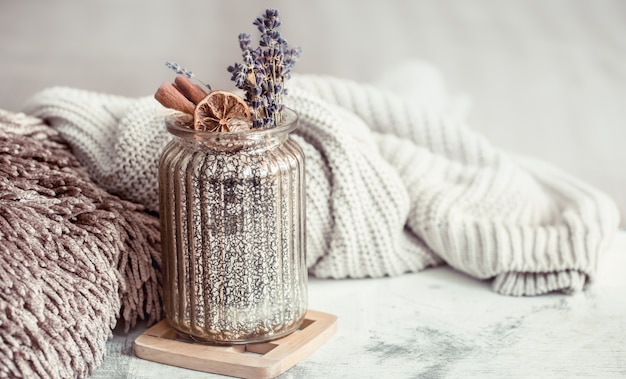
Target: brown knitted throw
{"type": "Point", "coordinates": [73, 258]}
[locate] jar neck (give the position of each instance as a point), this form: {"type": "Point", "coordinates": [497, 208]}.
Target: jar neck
{"type": "Point", "coordinates": [264, 139]}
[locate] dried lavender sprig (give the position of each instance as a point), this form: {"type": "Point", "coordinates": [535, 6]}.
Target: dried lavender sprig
{"type": "Point", "coordinates": [182, 71]}
{"type": "Point", "coordinates": [249, 77]}
{"type": "Point", "coordinates": [265, 69]}
{"type": "Point", "coordinates": [279, 58]}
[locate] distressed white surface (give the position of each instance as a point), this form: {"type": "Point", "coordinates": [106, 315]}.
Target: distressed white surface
{"type": "Point", "coordinates": [442, 324]}
{"type": "Point", "coordinates": [546, 78]}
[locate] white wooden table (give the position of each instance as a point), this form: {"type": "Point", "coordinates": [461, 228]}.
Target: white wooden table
{"type": "Point", "coordinates": [442, 324]}
{"type": "Point", "coordinates": [546, 79]}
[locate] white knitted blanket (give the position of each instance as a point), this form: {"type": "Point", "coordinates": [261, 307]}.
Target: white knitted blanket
{"type": "Point", "coordinates": [394, 185]}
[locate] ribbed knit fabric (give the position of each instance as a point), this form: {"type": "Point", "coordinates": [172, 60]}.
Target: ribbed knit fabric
{"type": "Point", "coordinates": [393, 186]}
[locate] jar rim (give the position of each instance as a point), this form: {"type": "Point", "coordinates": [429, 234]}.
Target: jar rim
{"type": "Point", "coordinates": [289, 123]}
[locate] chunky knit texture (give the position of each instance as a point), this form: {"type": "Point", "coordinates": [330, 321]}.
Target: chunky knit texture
{"type": "Point", "coordinates": [73, 258]}
{"type": "Point", "coordinates": [395, 185]}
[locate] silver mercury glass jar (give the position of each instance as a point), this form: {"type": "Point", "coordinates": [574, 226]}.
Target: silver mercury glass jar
{"type": "Point", "coordinates": [232, 209]}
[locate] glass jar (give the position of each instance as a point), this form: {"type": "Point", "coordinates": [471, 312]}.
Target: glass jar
{"type": "Point", "coordinates": [232, 209]}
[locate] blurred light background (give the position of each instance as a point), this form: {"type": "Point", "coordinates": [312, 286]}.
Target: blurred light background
{"type": "Point", "coordinates": [545, 78]}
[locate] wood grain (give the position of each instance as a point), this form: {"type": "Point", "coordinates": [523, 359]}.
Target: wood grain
{"type": "Point", "coordinates": [262, 360]}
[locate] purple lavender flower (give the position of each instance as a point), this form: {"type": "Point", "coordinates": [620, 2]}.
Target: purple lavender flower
{"type": "Point", "coordinates": [181, 71]}
{"type": "Point", "coordinates": [264, 70]}
{"type": "Point", "coordinates": [178, 69]}
{"type": "Point", "coordinates": [244, 41]}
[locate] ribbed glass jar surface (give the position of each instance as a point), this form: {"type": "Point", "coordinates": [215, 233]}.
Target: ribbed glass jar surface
{"type": "Point", "coordinates": [232, 209]}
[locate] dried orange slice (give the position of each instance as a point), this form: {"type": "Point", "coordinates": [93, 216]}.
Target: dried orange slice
{"type": "Point", "coordinates": [221, 111]}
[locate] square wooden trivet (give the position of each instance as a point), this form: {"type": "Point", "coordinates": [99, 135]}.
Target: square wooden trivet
{"type": "Point", "coordinates": [257, 360]}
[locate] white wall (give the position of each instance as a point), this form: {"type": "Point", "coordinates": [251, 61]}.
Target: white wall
{"type": "Point", "coordinates": [546, 78]}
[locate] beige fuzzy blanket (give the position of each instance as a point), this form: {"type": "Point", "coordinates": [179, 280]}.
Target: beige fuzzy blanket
{"type": "Point", "coordinates": [73, 258]}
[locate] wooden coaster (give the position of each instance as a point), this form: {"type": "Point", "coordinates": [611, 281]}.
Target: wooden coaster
{"type": "Point", "coordinates": [258, 360]}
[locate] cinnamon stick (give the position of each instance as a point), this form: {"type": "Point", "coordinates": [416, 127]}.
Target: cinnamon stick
{"type": "Point", "coordinates": [170, 97]}
{"type": "Point", "coordinates": [191, 91]}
